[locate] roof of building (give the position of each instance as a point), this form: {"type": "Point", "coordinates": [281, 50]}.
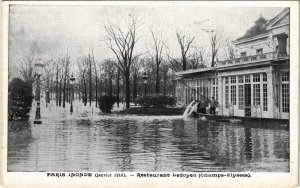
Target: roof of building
{"type": "Point", "coordinates": [258, 29]}
{"type": "Point", "coordinates": [277, 17]}
{"type": "Point", "coordinates": [261, 25]}
{"type": "Point", "coordinates": [195, 71]}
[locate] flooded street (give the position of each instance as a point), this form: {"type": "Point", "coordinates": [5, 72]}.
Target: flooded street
{"type": "Point", "coordinates": [131, 143]}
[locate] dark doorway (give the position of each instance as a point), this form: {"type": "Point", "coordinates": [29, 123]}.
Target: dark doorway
{"type": "Point", "coordinates": [248, 100]}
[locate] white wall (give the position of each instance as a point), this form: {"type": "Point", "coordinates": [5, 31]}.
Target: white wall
{"type": "Point", "coordinates": [250, 47]}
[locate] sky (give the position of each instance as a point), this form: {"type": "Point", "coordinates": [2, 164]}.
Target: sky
{"type": "Point", "coordinates": [77, 28]}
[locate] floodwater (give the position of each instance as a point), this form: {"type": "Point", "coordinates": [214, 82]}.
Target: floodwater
{"type": "Point", "coordinates": [118, 143]}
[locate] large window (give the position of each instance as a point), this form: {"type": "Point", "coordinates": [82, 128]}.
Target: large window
{"type": "Point", "coordinates": [179, 91]}
{"type": "Point", "coordinates": [285, 76]}
{"type": "Point", "coordinates": [214, 81]}
{"type": "Point", "coordinates": [226, 96]}
{"type": "Point", "coordinates": [247, 78]}
{"type": "Point", "coordinates": [214, 92]}
{"type": "Point", "coordinates": [259, 85]}
{"type": "Point", "coordinates": [216, 97]}
{"type": "Point", "coordinates": [241, 79]}
{"type": "Point", "coordinates": [285, 98]}
{"type": "Point", "coordinates": [256, 94]}
{"type": "Point", "coordinates": [265, 78]}
{"type": "Point", "coordinates": [187, 95]}
{"type": "Point", "coordinates": [256, 77]}
{"type": "Point", "coordinates": [226, 80]}
{"type": "Point", "coordinates": [265, 97]}
{"type": "Point", "coordinates": [194, 90]}
{"type": "Point", "coordinates": [198, 93]}
{"type": "Point", "coordinates": [233, 94]}
{"type": "Point", "coordinates": [285, 92]}
{"type": "Point", "coordinates": [201, 92]}
{"type": "Point", "coordinates": [215, 88]}
{"type": "Point", "coordinates": [241, 97]}
{"type": "Point", "coordinates": [233, 79]}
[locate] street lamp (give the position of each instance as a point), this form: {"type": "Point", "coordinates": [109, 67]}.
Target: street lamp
{"type": "Point", "coordinates": [72, 80]}
{"type": "Point", "coordinates": [145, 78]}
{"type": "Point", "coordinates": [39, 68]}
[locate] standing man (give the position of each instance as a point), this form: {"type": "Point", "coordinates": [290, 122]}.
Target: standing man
{"type": "Point", "coordinates": [214, 104]}
{"type": "Point", "coordinates": [202, 106]}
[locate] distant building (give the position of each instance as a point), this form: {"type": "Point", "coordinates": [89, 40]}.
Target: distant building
{"type": "Point", "coordinates": [256, 82]}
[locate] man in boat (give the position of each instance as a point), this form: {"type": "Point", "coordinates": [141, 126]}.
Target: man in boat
{"type": "Point", "coordinates": [214, 103]}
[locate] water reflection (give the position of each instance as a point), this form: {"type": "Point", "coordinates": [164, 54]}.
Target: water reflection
{"type": "Point", "coordinates": [117, 144]}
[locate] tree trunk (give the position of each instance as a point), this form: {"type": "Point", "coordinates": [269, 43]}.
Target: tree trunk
{"type": "Point", "coordinates": [118, 88]}
{"type": "Point", "coordinates": [68, 92]}
{"type": "Point", "coordinates": [134, 89]}
{"type": "Point", "coordinates": [157, 80]}
{"type": "Point", "coordinates": [110, 87]}
{"type": "Point", "coordinates": [165, 85]}
{"type": "Point", "coordinates": [51, 90]}
{"type": "Point", "coordinates": [90, 80]}
{"type": "Point", "coordinates": [184, 64]}
{"type": "Point", "coordinates": [48, 91]}
{"type": "Point", "coordinates": [56, 87]}
{"type": "Point", "coordinates": [96, 91]}
{"type": "Point", "coordinates": [100, 87]}
{"type": "Point", "coordinates": [85, 92]}
{"type": "Point", "coordinates": [81, 91]}
{"type": "Point", "coordinates": [60, 93]}
{"type": "Point", "coordinates": [127, 89]}
{"type": "Point", "coordinates": [105, 87]}
{"type": "Point", "coordinates": [212, 61]}
{"type": "Point", "coordinates": [64, 92]}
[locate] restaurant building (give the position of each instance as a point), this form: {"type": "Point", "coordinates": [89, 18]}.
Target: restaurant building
{"type": "Point", "coordinates": [253, 84]}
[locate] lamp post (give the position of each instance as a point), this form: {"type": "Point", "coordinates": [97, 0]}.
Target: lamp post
{"type": "Point", "coordinates": [72, 80]}
{"type": "Point", "coordinates": [145, 78]}
{"type": "Point", "coordinates": [39, 68]}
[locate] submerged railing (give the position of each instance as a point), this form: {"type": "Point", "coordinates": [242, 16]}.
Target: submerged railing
{"type": "Point", "coordinates": [249, 111]}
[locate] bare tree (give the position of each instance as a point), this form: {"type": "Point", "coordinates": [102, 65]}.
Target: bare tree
{"type": "Point", "coordinates": [185, 41]}
{"type": "Point", "coordinates": [229, 48]}
{"type": "Point", "coordinates": [95, 77]}
{"type": "Point", "coordinates": [118, 87]}
{"type": "Point", "coordinates": [109, 71]}
{"type": "Point", "coordinates": [165, 69]}
{"type": "Point", "coordinates": [197, 58]}
{"type": "Point", "coordinates": [66, 66]}
{"type": "Point", "coordinates": [49, 72]}
{"type": "Point", "coordinates": [215, 45]}
{"type": "Point", "coordinates": [61, 76]}
{"type": "Point", "coordinates": [158, 45]}
{"type": "Point", "coordinates": [57, 83]}
{"type": "Point", "coordinates": [83, 70]}
{"type": "Point", "coordinates": [122, 44]}
{"type": "Point", "coordinates": [26, 67]}
{"type": "Point", "coordinates": [91, 60]}
{"type": "Point", "coordinates": [135, 72]}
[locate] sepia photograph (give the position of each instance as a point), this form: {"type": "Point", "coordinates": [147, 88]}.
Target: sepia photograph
{"type": "Point", "coordinates": [148, 88]}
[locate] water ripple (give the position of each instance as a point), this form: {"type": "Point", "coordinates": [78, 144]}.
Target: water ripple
{"type": "Point", "coordinates": [134, 143]}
